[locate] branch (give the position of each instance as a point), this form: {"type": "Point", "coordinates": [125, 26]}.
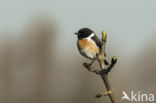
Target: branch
{"type": "Point", "coordinates": [108, 69]}
{"type": "Point", "coordinates": [91, 69]}
{"type": "Point", "coordinates": [103, 72]}
{"type": "Point", "coordinates": [102, 66]}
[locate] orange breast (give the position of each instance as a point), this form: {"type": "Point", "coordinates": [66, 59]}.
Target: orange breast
{"type": "Point", "coordinates": [92, 47]}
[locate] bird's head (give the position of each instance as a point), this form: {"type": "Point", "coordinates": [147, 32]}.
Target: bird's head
{"type": "Point", "coordinates": [84, 33]}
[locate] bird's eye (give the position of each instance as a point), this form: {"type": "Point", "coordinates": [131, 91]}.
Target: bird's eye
{"type": "Point", "coordinates": [80, 32]}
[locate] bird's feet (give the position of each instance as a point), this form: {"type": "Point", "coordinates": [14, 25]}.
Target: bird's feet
{"type": "Point", "coordinates": [88, 66]}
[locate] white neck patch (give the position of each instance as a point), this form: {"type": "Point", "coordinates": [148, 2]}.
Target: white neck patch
{"type": "Point", "coordinates": [92, 34]}
{"type": "Point", "coordinates": [89, 38]}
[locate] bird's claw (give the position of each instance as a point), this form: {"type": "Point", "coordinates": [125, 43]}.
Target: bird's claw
{"type": "Point", "coordinates": [88, 66]}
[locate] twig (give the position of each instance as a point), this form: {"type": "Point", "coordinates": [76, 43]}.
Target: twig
{"type": "Point", "coordinates": [91, 69]}
{"type": "Point", "coordinates": [103, 72]}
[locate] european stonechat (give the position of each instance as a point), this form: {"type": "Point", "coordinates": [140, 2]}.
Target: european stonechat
{"type": "Point", "coordinates": [89, 45]}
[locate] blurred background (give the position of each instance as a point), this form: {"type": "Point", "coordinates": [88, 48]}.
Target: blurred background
{"type": "Point", "coordinates": [39, 60]}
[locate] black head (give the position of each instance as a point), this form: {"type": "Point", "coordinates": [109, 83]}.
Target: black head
{"type": "Point", "coordinates": [83, 33]}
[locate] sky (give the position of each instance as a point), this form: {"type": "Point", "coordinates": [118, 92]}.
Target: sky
{"type": "Point", "coordinates": [129, 24]}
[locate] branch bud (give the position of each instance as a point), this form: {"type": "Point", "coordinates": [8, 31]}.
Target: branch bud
{"type": "Point", "coordinates": [114, 60]}
{"type": "Point", "coordinates": [98, 95]}
{"type": "Point", "coordinates": [104, 36]}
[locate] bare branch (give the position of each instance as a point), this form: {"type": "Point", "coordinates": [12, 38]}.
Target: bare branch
{"type": "Point", "coordinates": [104, 71]}
{"type": "Point", "coordinates": [102, 65]}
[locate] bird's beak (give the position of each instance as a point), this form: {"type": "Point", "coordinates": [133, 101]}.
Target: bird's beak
{"type": "Point", "coordinates": [76, 33]}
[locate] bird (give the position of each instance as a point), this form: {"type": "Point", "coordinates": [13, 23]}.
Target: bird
{"type": "Point", "coordinates": [89, 45]}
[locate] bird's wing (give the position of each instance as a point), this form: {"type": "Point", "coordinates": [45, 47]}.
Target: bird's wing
{"type": "Point", "coordinates": [97, 40]}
